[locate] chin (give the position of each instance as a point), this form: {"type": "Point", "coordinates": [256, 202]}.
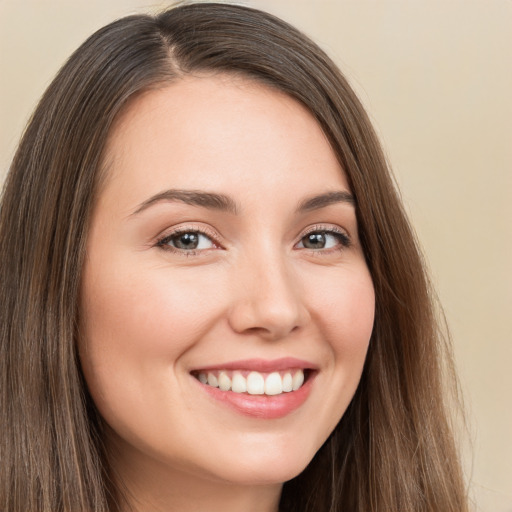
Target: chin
{"type": "Point", "coordinates": [267, 468]}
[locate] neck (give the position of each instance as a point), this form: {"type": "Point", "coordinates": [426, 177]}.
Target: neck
{"type": "Point", "coordinates": [213, 497]}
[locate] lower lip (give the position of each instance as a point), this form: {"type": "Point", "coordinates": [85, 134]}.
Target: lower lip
{"type": "Point", "coordinates": [262, 406]}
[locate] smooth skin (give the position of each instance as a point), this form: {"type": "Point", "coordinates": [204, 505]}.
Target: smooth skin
{"type": "Point", "coordinates": [251, 276]}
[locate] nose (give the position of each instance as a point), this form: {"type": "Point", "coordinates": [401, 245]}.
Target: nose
{"type": "Point", "coordinates": [268, 302]}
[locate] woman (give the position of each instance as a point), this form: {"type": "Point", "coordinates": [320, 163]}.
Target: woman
{"type": "Point", "coordinates": [211, 295]}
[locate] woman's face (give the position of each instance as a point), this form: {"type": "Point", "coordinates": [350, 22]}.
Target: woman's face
{"type": "Point", "coordinates": [223, 250]}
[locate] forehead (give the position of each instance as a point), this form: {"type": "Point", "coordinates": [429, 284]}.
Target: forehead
{"type": "Point", "coordinates": [219, 133]}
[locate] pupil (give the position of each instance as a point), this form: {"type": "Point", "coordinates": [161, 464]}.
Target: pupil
{"type": "Point", "coordinates": [315, 241]}
{"type": "Point", "coordinates": [188, 241]}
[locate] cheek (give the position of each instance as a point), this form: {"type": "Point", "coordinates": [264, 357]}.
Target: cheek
{"type": "Point", "coordinates": [143, 313]}
{"type": "Point", "coordinates": [346, 307]}
{"type": "Point", "coordinates": [135, 327]}
{"type": "Point", "coordinates": [342, 305]}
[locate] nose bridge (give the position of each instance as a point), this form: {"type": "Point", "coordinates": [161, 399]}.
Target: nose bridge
{"type": "Point", "coordinates": [268, 300]}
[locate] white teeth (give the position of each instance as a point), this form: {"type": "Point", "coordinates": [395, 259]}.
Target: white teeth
{"type": "Point", "coordinates": [255, 383]}
{"type": "Point", "coordinates": [273, 384]}
{"type": "Point", "coordinates": [297, 381]}
{"type": "Point", "coordinates": [287, 382]}
{"type": "Point", "coordinates": [224, 381]}
{"type": "Point", "coordinates": [238, 383]}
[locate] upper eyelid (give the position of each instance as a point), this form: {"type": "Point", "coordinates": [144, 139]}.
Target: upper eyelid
{"type": "Point", "coordinates": [213, 234]}
{"type": "Point", "coordinates": [188, 229]}
{"type": "Point", "coordinates": [181, 232]}
{"type": "Point", "coordinates": [324, 228]}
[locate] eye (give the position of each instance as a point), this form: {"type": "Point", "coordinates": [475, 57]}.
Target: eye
{"type": "Point", "coordinates": [187, 241]}
{"type": "Point", "coordinates": [324, 239]}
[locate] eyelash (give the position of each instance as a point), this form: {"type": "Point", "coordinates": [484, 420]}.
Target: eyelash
{"type": "Point", "coordinates": [342, 237]}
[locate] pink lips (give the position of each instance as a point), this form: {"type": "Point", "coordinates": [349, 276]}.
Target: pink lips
{"type": "Point", "coordinates": [262, 406]}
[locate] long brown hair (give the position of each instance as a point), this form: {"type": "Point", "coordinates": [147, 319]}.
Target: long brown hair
{"type": "Point", "coordinates": [393, 450]}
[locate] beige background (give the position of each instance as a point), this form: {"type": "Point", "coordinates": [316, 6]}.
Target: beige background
{"type": "Point", "coordinates": [436, 77]}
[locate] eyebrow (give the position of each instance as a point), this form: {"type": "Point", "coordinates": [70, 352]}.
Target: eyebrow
{"type": "Point", "coordinates": [222, 202]}
{"type": "Point", "coordinates": [208, 200]}
{"type": "Point", "coordinates": [323, 200]}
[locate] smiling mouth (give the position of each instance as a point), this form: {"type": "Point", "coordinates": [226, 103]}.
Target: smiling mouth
{"type": "Point", "coordinates": [254, 382]}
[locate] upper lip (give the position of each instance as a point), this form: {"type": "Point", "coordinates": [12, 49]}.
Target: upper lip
{"type": "Point", "coordinates": [261, 365]}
